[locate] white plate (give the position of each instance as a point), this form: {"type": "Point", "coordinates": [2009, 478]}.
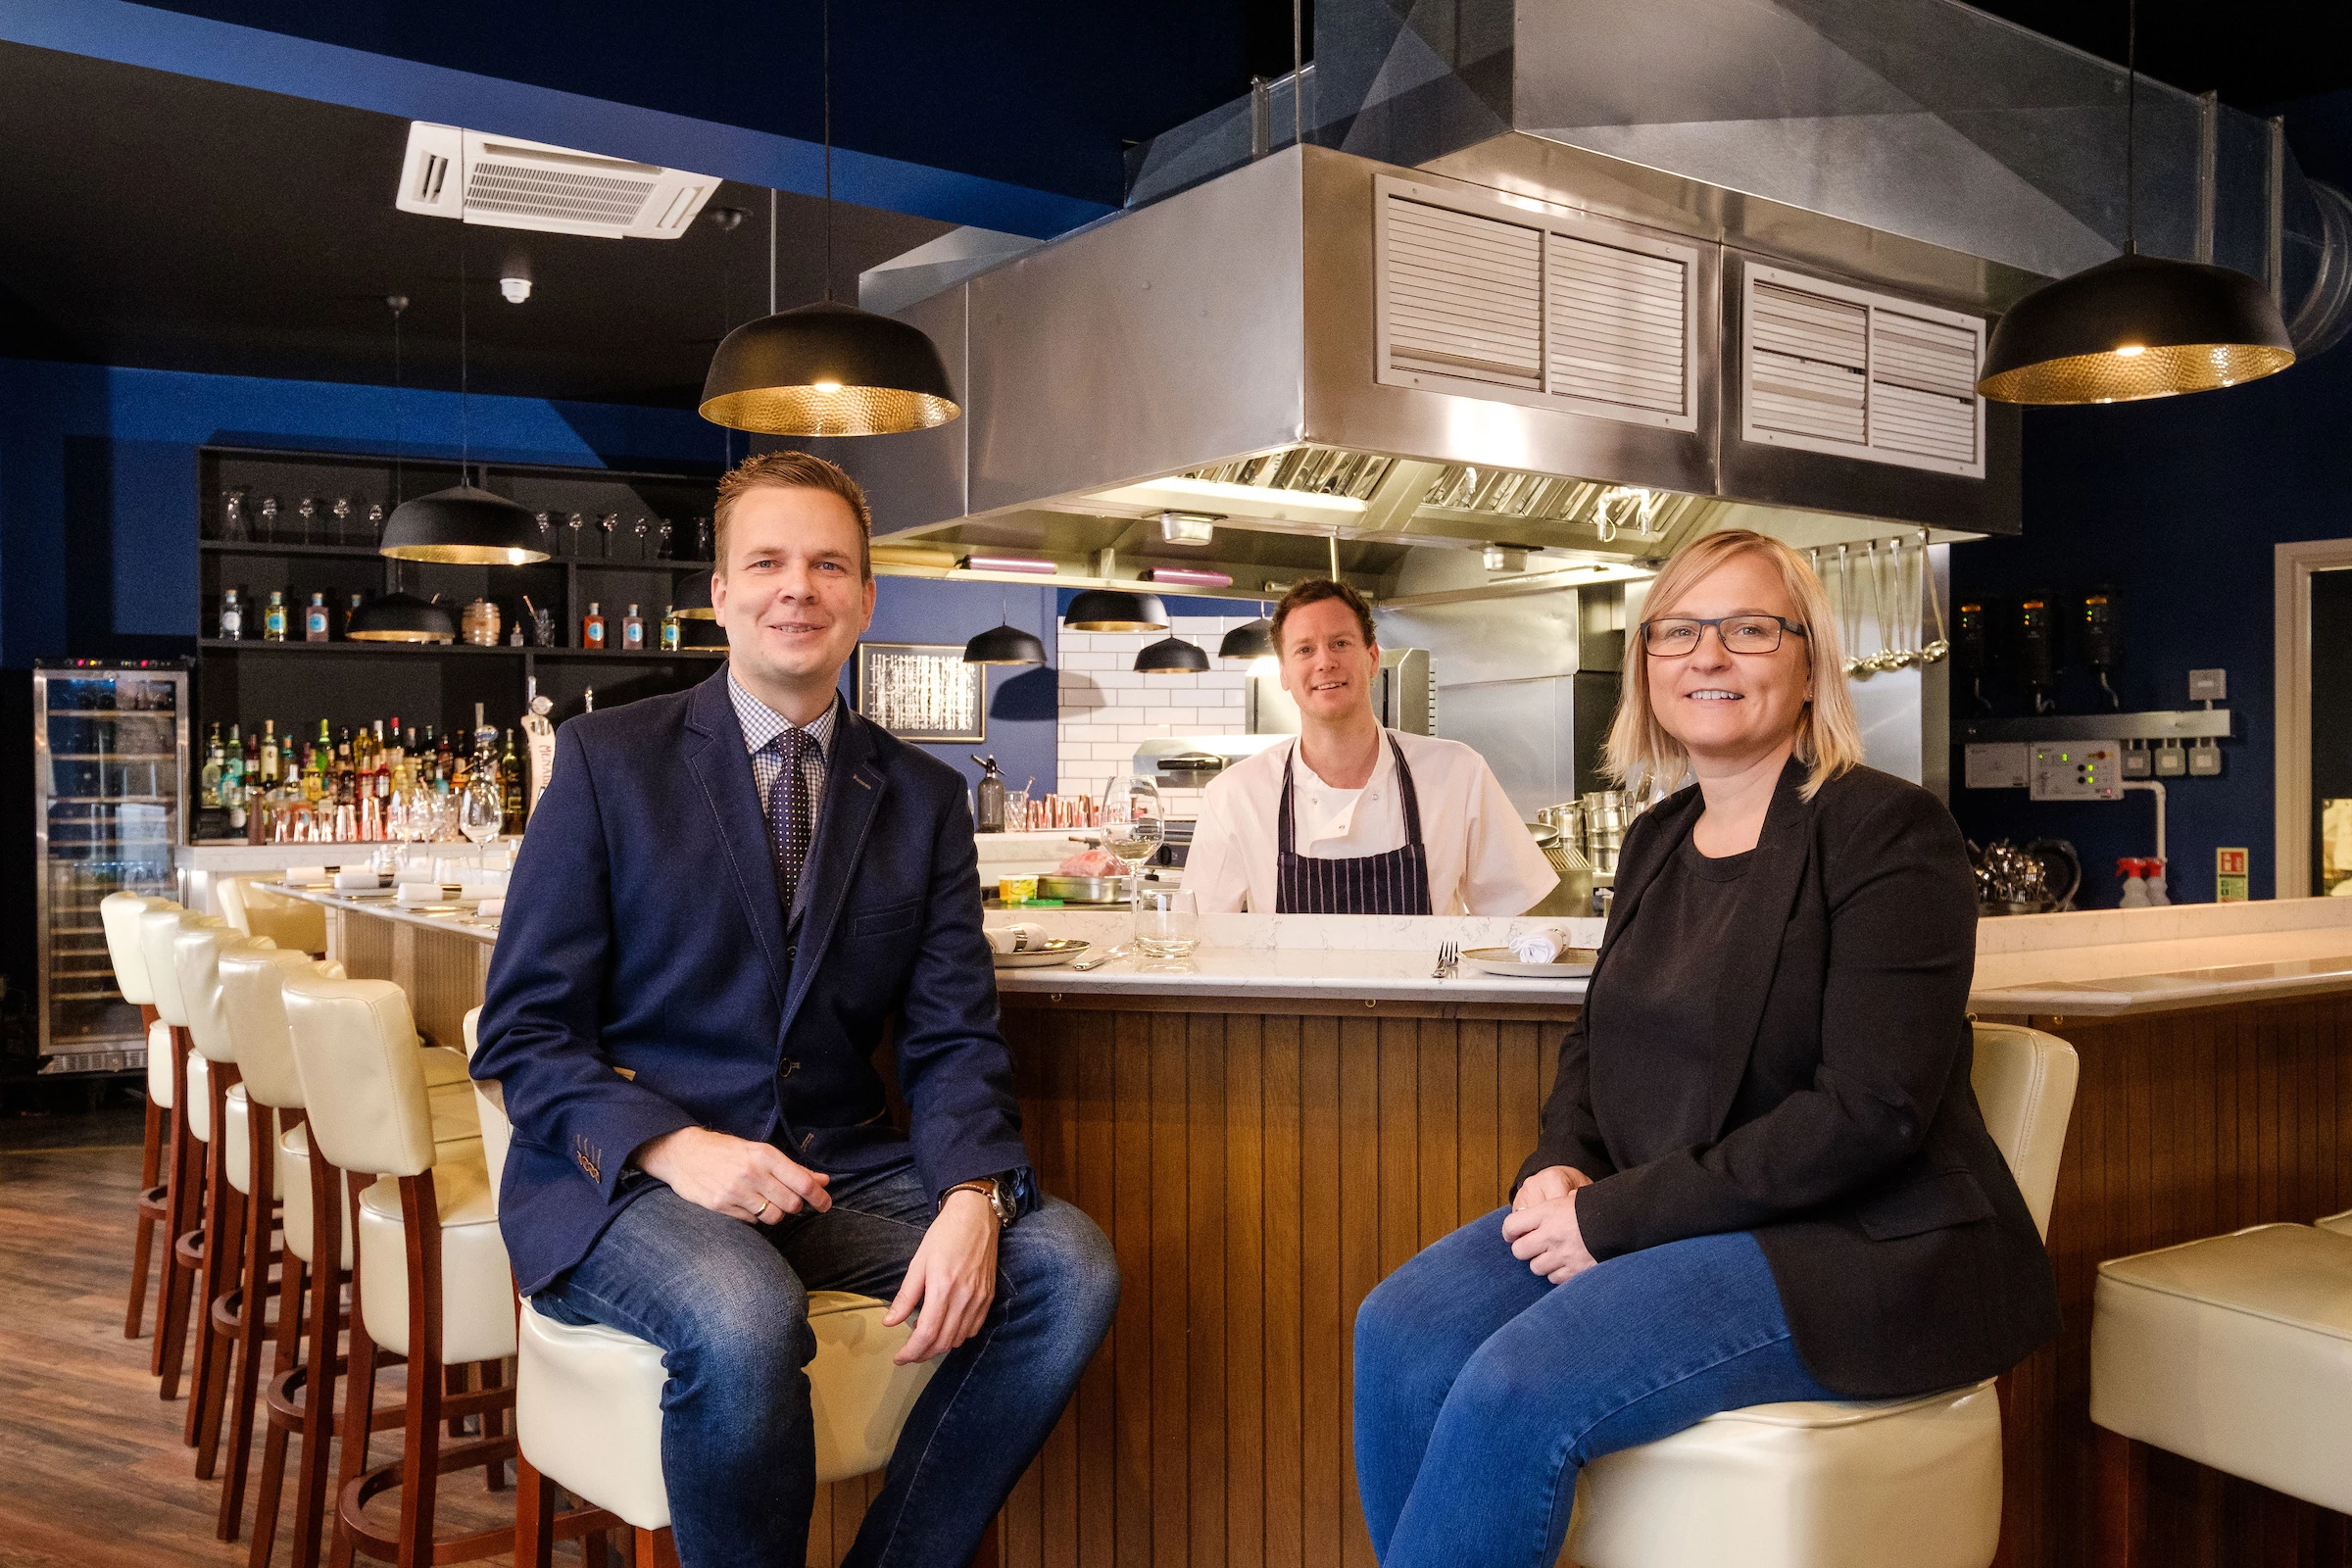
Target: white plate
{"type": "Point", "coordinates": [1061, 950]}
{"type": "Point", "coordinates": [1572, 964]}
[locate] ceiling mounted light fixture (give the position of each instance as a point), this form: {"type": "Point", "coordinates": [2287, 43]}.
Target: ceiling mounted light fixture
{"type": "Point", "coordinates": [1251, 639]}
{"type": "Point", "coordinates": [1115, 609]}
{"type": "Point", "coordinates": [827, 368]}
{"type": "Point", "coordinates": [462, 524]}
{"type": "Point", "coordinates": [401, 617]}
{"type": "Point", "coordinates": [1007, 644]}
{"type": "Point", "coordinates": [1172, 656]}
{"type": "Point", "coordinates": [2138, 326]}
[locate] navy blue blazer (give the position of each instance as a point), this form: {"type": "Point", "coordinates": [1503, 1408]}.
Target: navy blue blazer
{"type": "Point", "coordinates": [645, 977]}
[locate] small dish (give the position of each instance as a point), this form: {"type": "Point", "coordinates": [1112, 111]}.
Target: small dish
{"type": "Point", "coordinates": [1572, 964]}
{"type": "Point", "coordinates": [1061, 950]}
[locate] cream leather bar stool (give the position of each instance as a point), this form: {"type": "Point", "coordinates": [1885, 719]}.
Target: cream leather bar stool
{"type": "Point", "coordinates": [588, 1403]}
{"type": "Point", "coordinates": [255, 910]}
{"type": "Point", "coordinates": [431, 1278]}
{"type": "Point", "coordinates": [239, 1222]}
{"type": "Point", "coordinates": [2235, 1351]}
{"type": "Point", "coordinates": [119, 914]}
{"type": "Point", "coordinates": [191, 1168]}
{"type": "Point", "coordinates": [1822, 1483]}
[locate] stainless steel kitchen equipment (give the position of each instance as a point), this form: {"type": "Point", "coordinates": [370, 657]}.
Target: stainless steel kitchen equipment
{"type": "Point", "coordinates": [1185, 761]}
{"type": "Point", "coordinates": [110, 747]}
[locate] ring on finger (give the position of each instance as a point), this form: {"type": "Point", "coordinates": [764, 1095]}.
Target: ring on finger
{"type": "Point", "coordinates": [760, 1210]}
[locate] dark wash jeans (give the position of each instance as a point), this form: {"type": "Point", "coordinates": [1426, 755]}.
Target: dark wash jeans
{"type": "Point", "coordinates": [727, 1303]}
{"type": "Point", "coordinates": [1480, 1391]}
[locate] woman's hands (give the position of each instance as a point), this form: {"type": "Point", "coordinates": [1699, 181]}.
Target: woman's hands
{"type": "Point", "coordinates": [1542, 1225]}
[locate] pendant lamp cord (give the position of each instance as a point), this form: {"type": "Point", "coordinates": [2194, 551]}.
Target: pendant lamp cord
{"type": "Point", "coordinates": [1297, 72]}
{"type": "Point", "coordinates": [2131, 128]}
{"type": "Point", "coordinates": [826, 59]}
{"type": "Point", "coordinates": [771, 251]}
{"type": "Point", "coordinates": [464, 377]}
{"type": "Point", "coordinates": [399, 303]}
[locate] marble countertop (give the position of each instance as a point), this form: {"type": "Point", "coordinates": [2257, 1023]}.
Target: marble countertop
{"type": "Point", "coordinates": [460, 922]}
{"type": "Point", "coordinates": [2094, 963]}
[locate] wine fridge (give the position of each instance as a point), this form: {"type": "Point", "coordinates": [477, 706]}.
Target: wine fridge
{"type": "Point", "coordinates": [109, 753]}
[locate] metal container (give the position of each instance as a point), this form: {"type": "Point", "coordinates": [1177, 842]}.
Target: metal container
{"type": "Point", "coordinates": [1087, 889]}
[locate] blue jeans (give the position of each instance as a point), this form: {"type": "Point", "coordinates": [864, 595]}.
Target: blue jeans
{"type": "Point", "coordinates": [727, 1303]}
{"type": "Point", "coordinates": [1480, 1392]}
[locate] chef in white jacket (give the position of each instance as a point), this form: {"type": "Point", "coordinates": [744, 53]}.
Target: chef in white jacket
{"type": "Point", "coordinates": [1352, 818]}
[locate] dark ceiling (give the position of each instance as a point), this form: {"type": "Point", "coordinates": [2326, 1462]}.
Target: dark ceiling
{"type": "Point", "coordinates": [2254, 53]}
{"type": "Point", "coordinates": [176, 224]}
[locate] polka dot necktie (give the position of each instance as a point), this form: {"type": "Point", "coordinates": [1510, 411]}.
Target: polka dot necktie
{"type": "Point", "coordinates": [788, 813]}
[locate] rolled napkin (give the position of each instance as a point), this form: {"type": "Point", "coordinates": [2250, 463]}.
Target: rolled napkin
{"type": "Point", "coordinates": [1539, 945]}
{"type": "Point", "coordinates": [358, 878]}
{"type": "Point", "coordinates": [491, 910]}
{"type": "Point", "coordinates": [305, 875]}
{"type": "Point", "coordinates": [1024, 937]}
{"type": "Point", "coordinates": [419, 893]}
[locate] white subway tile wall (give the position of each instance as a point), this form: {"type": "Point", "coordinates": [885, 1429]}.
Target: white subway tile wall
{"type": "Point", "coordinates": [1106, 708]}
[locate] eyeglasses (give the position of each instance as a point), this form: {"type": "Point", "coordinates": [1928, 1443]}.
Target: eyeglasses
{"type": "Point", "coordinates": [1676, 638]}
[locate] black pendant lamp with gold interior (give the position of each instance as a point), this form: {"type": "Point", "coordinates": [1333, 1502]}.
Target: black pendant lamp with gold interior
{"type": "Point", "coordinates": [2138, 326]}
{"type": "Point", "coordinates": [464, 523]}
{"type": "Point", "coordinates": [827, 368]}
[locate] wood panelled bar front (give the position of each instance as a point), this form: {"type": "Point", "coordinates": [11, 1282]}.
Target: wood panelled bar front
{"type": "Point", "coordinates": [1259, 1162]}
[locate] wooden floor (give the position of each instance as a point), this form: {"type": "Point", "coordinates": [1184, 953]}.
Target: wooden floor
{"type": "Point", "coordinates": [92, 1473]}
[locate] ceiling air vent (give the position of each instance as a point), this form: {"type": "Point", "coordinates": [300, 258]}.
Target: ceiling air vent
{"type": "Point", "coordinates": [1534, 306]}
{"type": "Point", "coordinates": [507, 183]}
{"type": "Point", "coordinates": [1837, 369]}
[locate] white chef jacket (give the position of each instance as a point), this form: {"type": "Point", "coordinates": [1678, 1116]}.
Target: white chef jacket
{"type": "Point", "coordinates": [1481, 858]}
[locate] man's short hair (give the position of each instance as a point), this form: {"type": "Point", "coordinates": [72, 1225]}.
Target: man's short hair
{"type": "Point", "coordinates": [791, 470]}
{"type": "Point", "coordinates": [1313, 592]}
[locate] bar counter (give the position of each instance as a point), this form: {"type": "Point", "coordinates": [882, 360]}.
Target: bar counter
{"type": "Point", "coordinates": [1266, 1128]}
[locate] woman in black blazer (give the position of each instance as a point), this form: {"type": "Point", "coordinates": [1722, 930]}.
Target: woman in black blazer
{"type": "Point", "coordinates": [1762, 1173]}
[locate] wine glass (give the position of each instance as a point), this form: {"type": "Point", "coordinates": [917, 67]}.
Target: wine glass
{"type": "Point", "coordinates": [1132, 828]}
{"type": "Point", "coordinates": [481, 810]}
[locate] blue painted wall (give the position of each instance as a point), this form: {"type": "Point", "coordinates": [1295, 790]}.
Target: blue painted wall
{"type": "Point", "coordinates": [98, 510]}
{"type": "Point", "coordinates": [2175, 504]}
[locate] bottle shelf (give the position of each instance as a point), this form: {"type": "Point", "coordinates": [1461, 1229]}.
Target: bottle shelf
{"type": "Point", "coordinates": [437, 649]}
{"type": "Point", "coordinates": [257, 547]}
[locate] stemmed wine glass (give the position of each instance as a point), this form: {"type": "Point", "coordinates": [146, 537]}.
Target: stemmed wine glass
{"type": "Point", "coordinates": [1132, 829]}
{"type": "Point", "coordinates": [481, 812]}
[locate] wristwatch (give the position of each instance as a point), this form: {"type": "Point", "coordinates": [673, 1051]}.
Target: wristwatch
{"type": "Point", "coordinates": [994, 1189]}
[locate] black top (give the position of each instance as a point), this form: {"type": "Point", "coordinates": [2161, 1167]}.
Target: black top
{"type": "Point", "coordinates": [1839, 1123]}
{"type": "Point", "coordinates": [1675, 947]}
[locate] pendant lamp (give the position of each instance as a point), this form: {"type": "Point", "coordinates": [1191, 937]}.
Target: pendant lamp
{"type": "Point", "coordinates": [2138, 326]}
{"type": "Point", "coordinates": [1115, 609]}
{"type": "Point", "coordinates": [401, 617]}
{"type": "Point", "coordinates": [827, 368]}
{"type": "Point", "coordinates": [1007, 644]}
{"type": "Point", "coordinates": [1170, 656]}
{"type": "Point", "coordinates": [698, 622]}
{"type": "Point", "coordinates": [463, 523]}
{"type": "Point", "coordinates": [1251, 639]}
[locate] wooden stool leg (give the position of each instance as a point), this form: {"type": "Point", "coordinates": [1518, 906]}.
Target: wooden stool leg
{"type": "Point", "coordinates": [224, 1239]}
{"type": "Point", "coordinates": [420, 1469]}
{"type": "Point", "coordinates": [185, 1215]}
{"type": "Point", "coordinates": [151, 1165]}
{"type": "Point", "coordinates": [318, 1370]}
{"type": "Point", "coordinates": [2121, 1530]}
{"type": "Point", "coordinates": [655, 1549]}
{"type": "Point", "coordinates": [267, 1494]}
{"type": "Point", "coordinates": [359, 1394]}
{"type": "Point", "coordinates": [535, 1517]}
{"type": "Point", "coordinates": [253, 1314]}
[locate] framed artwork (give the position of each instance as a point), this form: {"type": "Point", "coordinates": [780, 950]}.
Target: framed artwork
{"type": "Point", "coordinates": [924, 691]}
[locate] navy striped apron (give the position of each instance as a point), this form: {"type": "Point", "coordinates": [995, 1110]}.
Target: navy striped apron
{"type": "Point", "coordinates": [1395, 883]}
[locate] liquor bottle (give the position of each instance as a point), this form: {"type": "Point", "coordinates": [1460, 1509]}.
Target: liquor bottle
{"type": "Point", "coordinates": [315, 619]}
{"type": "Point", "coordinates": [632, 632]}
{"type": "Point", "coordinates": [350, 610]}
{"type": "Point", "coordinates": [394, 746]}
{"type": "Point", "coordinates": [445, 752]}
{"type": "Point", "coordinates": [269, 774]}
{"type": "Point", "coordinates": [233, 776]}
{"type": "Point", "coordinates": [592, 628]}
{"type": "Point", "coordinates": [208, 783]}
{"type": "Point", "coordinates": [314, 772]}
{"type": "Point", "coordinates": [273, 617]}
{"type": "Point", "coordinates": [251, 769]}
{"type": "Point", "coordinates": [509, 787]}
{"type": "Point", "coordinates": [670, 630]}
{"type": "Point", "coordinates": [346, 777]}
{"type": "Point", "coordinates": [232, 616]}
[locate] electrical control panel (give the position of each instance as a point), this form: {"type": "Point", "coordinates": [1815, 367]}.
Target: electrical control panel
{"type": "Point", "coordinates": [2079, 771]}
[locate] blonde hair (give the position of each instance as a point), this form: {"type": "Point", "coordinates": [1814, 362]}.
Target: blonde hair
{"type": "Point", "coordinates": [1829, 737]}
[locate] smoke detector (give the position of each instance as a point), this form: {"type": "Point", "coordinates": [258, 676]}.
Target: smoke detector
{"type": "Point", "coordinates": [515, 290]}
{"type": "Point", "coordinates": [505, 182]}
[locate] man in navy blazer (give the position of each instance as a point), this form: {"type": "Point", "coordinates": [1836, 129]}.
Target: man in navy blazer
{"type": "Point", "coordinates": [726, 897]}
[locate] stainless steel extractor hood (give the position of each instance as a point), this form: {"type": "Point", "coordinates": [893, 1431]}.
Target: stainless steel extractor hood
{"type": "Point", "coordinates": [1318, 348]}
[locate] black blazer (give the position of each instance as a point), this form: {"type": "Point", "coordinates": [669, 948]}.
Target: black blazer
{"type": "Point", "coordinates": [1847, 1136]}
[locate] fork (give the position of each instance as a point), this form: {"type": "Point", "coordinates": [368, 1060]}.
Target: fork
{"type": "Point", "coordinates": [1449, 956]}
